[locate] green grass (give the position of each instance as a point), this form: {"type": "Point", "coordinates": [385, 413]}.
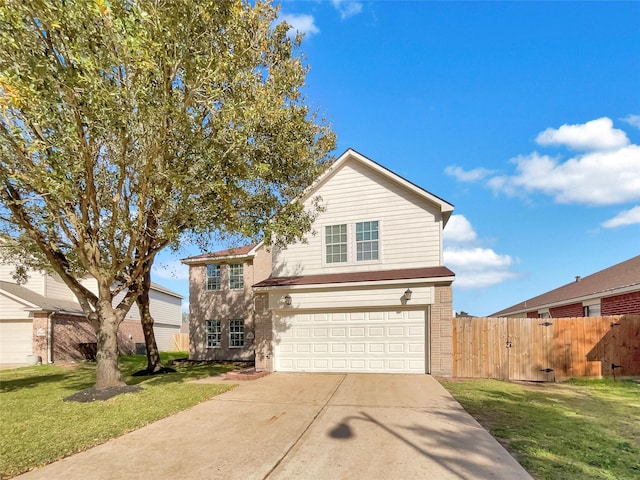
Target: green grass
{"type": "Point", "coordinates": [38, 427]}
{"type": "Point", "coordinates": [581, 429]}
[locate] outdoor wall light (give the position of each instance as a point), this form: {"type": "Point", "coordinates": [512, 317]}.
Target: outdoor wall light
{"type": "Point", "coordinates": [407, 294]}
{"type": "Point", "coordinates": [287, 300]}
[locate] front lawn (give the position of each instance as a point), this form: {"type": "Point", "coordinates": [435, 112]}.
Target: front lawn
{"type": "Point", "coordinates": [586, 429]}
{"type": "Point", "coordinates": [38, 427]}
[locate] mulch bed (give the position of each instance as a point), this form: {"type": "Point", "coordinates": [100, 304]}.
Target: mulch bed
{"type": "Point", "coordinates": [93, 394]}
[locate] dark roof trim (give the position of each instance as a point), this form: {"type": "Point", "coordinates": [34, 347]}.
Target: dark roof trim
{"type": "Point", "coordinates": [220, 255]}
{"type": "Point", "coordinates": [356, 277]}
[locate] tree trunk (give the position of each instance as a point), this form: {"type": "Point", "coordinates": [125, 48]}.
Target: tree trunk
{"type": "Point", "coordinates": [153, 355]}
{"type": "Point", "coordinates": [107, 369]}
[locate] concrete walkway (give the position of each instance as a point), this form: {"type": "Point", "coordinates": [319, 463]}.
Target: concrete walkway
{"type": "Point", "coordinates": [305, 426]}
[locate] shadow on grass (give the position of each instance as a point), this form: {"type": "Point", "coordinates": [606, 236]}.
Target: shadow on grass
{"type": "Point", "coordinates": [29, 382]}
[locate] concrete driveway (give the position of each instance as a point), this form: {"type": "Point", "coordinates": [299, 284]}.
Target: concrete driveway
{"type": "Point", "coordinates": [305, 426]}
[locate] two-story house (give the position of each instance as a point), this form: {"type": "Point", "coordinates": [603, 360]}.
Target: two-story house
{"type": "Point", "coordinates": [366, 292]}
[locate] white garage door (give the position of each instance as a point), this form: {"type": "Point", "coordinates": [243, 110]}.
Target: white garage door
{"type": "Point", "coordinates": [15, 340]}
{"type": "Point", "coordinates": [392, 342]}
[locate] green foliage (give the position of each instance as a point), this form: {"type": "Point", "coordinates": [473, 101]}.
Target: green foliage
{"type": "Point", "coordinates": [585, 429]}
{"type": "Point", "coordinates": [38, 427]}
{"type": "Point", "coordinates": [124, 125]}
{"type": "Point", "coordinates": [127, 125]}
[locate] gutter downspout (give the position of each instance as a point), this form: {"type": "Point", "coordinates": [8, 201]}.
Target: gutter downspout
{"type": "Point", "coordinates": [50, 338]}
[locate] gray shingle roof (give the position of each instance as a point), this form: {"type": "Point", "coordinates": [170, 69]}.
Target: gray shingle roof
{"type": "Point", "coordinates": [38, 301]}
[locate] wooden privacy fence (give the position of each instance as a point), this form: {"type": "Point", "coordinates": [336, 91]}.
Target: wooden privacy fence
{"type": "Point", "coordinates": [546, 349]}
{"type": "Point", "coordinates": [181, 341]}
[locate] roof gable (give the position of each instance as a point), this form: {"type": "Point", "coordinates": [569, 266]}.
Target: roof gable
{"type": "Point", "coordinates": [350, 156]}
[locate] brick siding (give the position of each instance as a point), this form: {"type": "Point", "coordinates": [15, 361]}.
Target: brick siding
{"type": "Point", "coordinates": [441, 350]}
{"type": "Point", "coordinates": [566, 311]}
{"type": "Point", "coordinates": [625, 304]}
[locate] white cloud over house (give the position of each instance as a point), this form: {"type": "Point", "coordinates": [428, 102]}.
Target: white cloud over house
{"type": "Point", "coordinates": [633, 120]}
{"type": "Point", "coordinates": [347, 8]}
{"type": "Point", "coordinates": [300, 23]}
{"type": "Point", "coordinates": [474, 266]}
{"type": "Point", "coordinates": [463, 175]}
{"type": "Point", "coordinates": [606, 173]}
{"type": "Point", "coordinates": [624, 218]}
{"type": "Point", "coordinates": [596, 134]}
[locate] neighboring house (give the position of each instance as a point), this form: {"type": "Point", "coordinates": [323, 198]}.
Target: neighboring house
{"type": "Point", "coordinates": [43, 318]}
{"type": "Point", "coordinates": [612, 291]}
{"type": "Point", "coordinates": [366, 292]}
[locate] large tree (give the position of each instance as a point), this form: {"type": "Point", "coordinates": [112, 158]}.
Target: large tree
{"type": "Point", "coordinates": [125, 125]}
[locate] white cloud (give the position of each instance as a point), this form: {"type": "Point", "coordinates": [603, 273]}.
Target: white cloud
{"type": "Point", "coordinates": [463, 175]}
{"type": "Point", "coordinates": [594, 135]}
{"type": "Point", "coordinates": [596, 178]}
{"type": "Point", "coordinates": [172, 270]}
{"type": "Point", "coordinates": [478, 267]}
{"type": "Point", "coordinates": [459, 230]}
{"type": "Point", "coordinates": [347, 8]}
{"type": "Point", "coordinates": [627, 217]}
{"type": "Point", "coordinates": [633, 120]}
{"type": "Point", "coordinates": [300, 23]}
{"type": "Point", "coordinates": [474, 267]}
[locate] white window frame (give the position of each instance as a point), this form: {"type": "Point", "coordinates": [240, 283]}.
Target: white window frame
{"type": "Point", "coordinates": [369, 241]}
{"type": "Point", "coordinates": [351, 243]}
{"type": "Point", "coordinates": [213, 329]}
{"type": "Point", "coordinates": [236, 335]}
{"type": "Point", "coordinates": [210, 278]}
{"type": "Point", "coordinates": [236, 280]}
{"type": "Point", "coordinates": [327, 245]}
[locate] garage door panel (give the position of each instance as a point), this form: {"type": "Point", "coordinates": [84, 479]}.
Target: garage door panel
{"type": "Point", "coordinates": [15, 340]}
{"type": "Point", "coordinates": [379, 342]}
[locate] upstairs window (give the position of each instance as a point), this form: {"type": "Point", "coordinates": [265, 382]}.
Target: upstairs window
{"type": "Point", "coordinates": [335, 237]}
{"type": "Point", "coordinates": [236, 333]}
{"type": "Point", "coordinates": [236, 276]}
{"type": "Point", "coordinates": [214, 333]}
{"type": "Point", "coordinates": [213, 277]}
{"type": "Point", "coordinates": [366, 241]}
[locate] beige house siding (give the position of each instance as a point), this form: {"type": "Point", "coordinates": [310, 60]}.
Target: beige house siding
{"type": "Point", "coordinates": [356, 193]}
{"type": "Point", "coordinates": [54, 287]}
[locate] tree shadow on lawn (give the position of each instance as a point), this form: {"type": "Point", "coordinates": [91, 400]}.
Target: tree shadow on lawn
{"type": "Point", "coordinates": [29, 382]}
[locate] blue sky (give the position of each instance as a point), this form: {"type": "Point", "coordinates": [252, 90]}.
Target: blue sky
{"type": "Point", "coordinates": [524, 115]}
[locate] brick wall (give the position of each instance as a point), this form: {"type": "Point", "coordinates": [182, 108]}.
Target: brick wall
{"type": "Point", "coordinates": [626, 304]}
{"type": "Point", "coordinates": [69, 331]}
{"type": "Point", "coordinates": [566, 311]}
{"type": "Point", "coordinates": [264, 333]}
{"type": "Point", "coordinates": [40, 335]}
{"type": "Point", "coordinates": [442, 332]}
{"type": "Point", "coordinates": [532, 314]}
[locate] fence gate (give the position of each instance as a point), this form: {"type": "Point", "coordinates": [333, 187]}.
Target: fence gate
{"type": "Point", "coordinates": [528, 346]}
